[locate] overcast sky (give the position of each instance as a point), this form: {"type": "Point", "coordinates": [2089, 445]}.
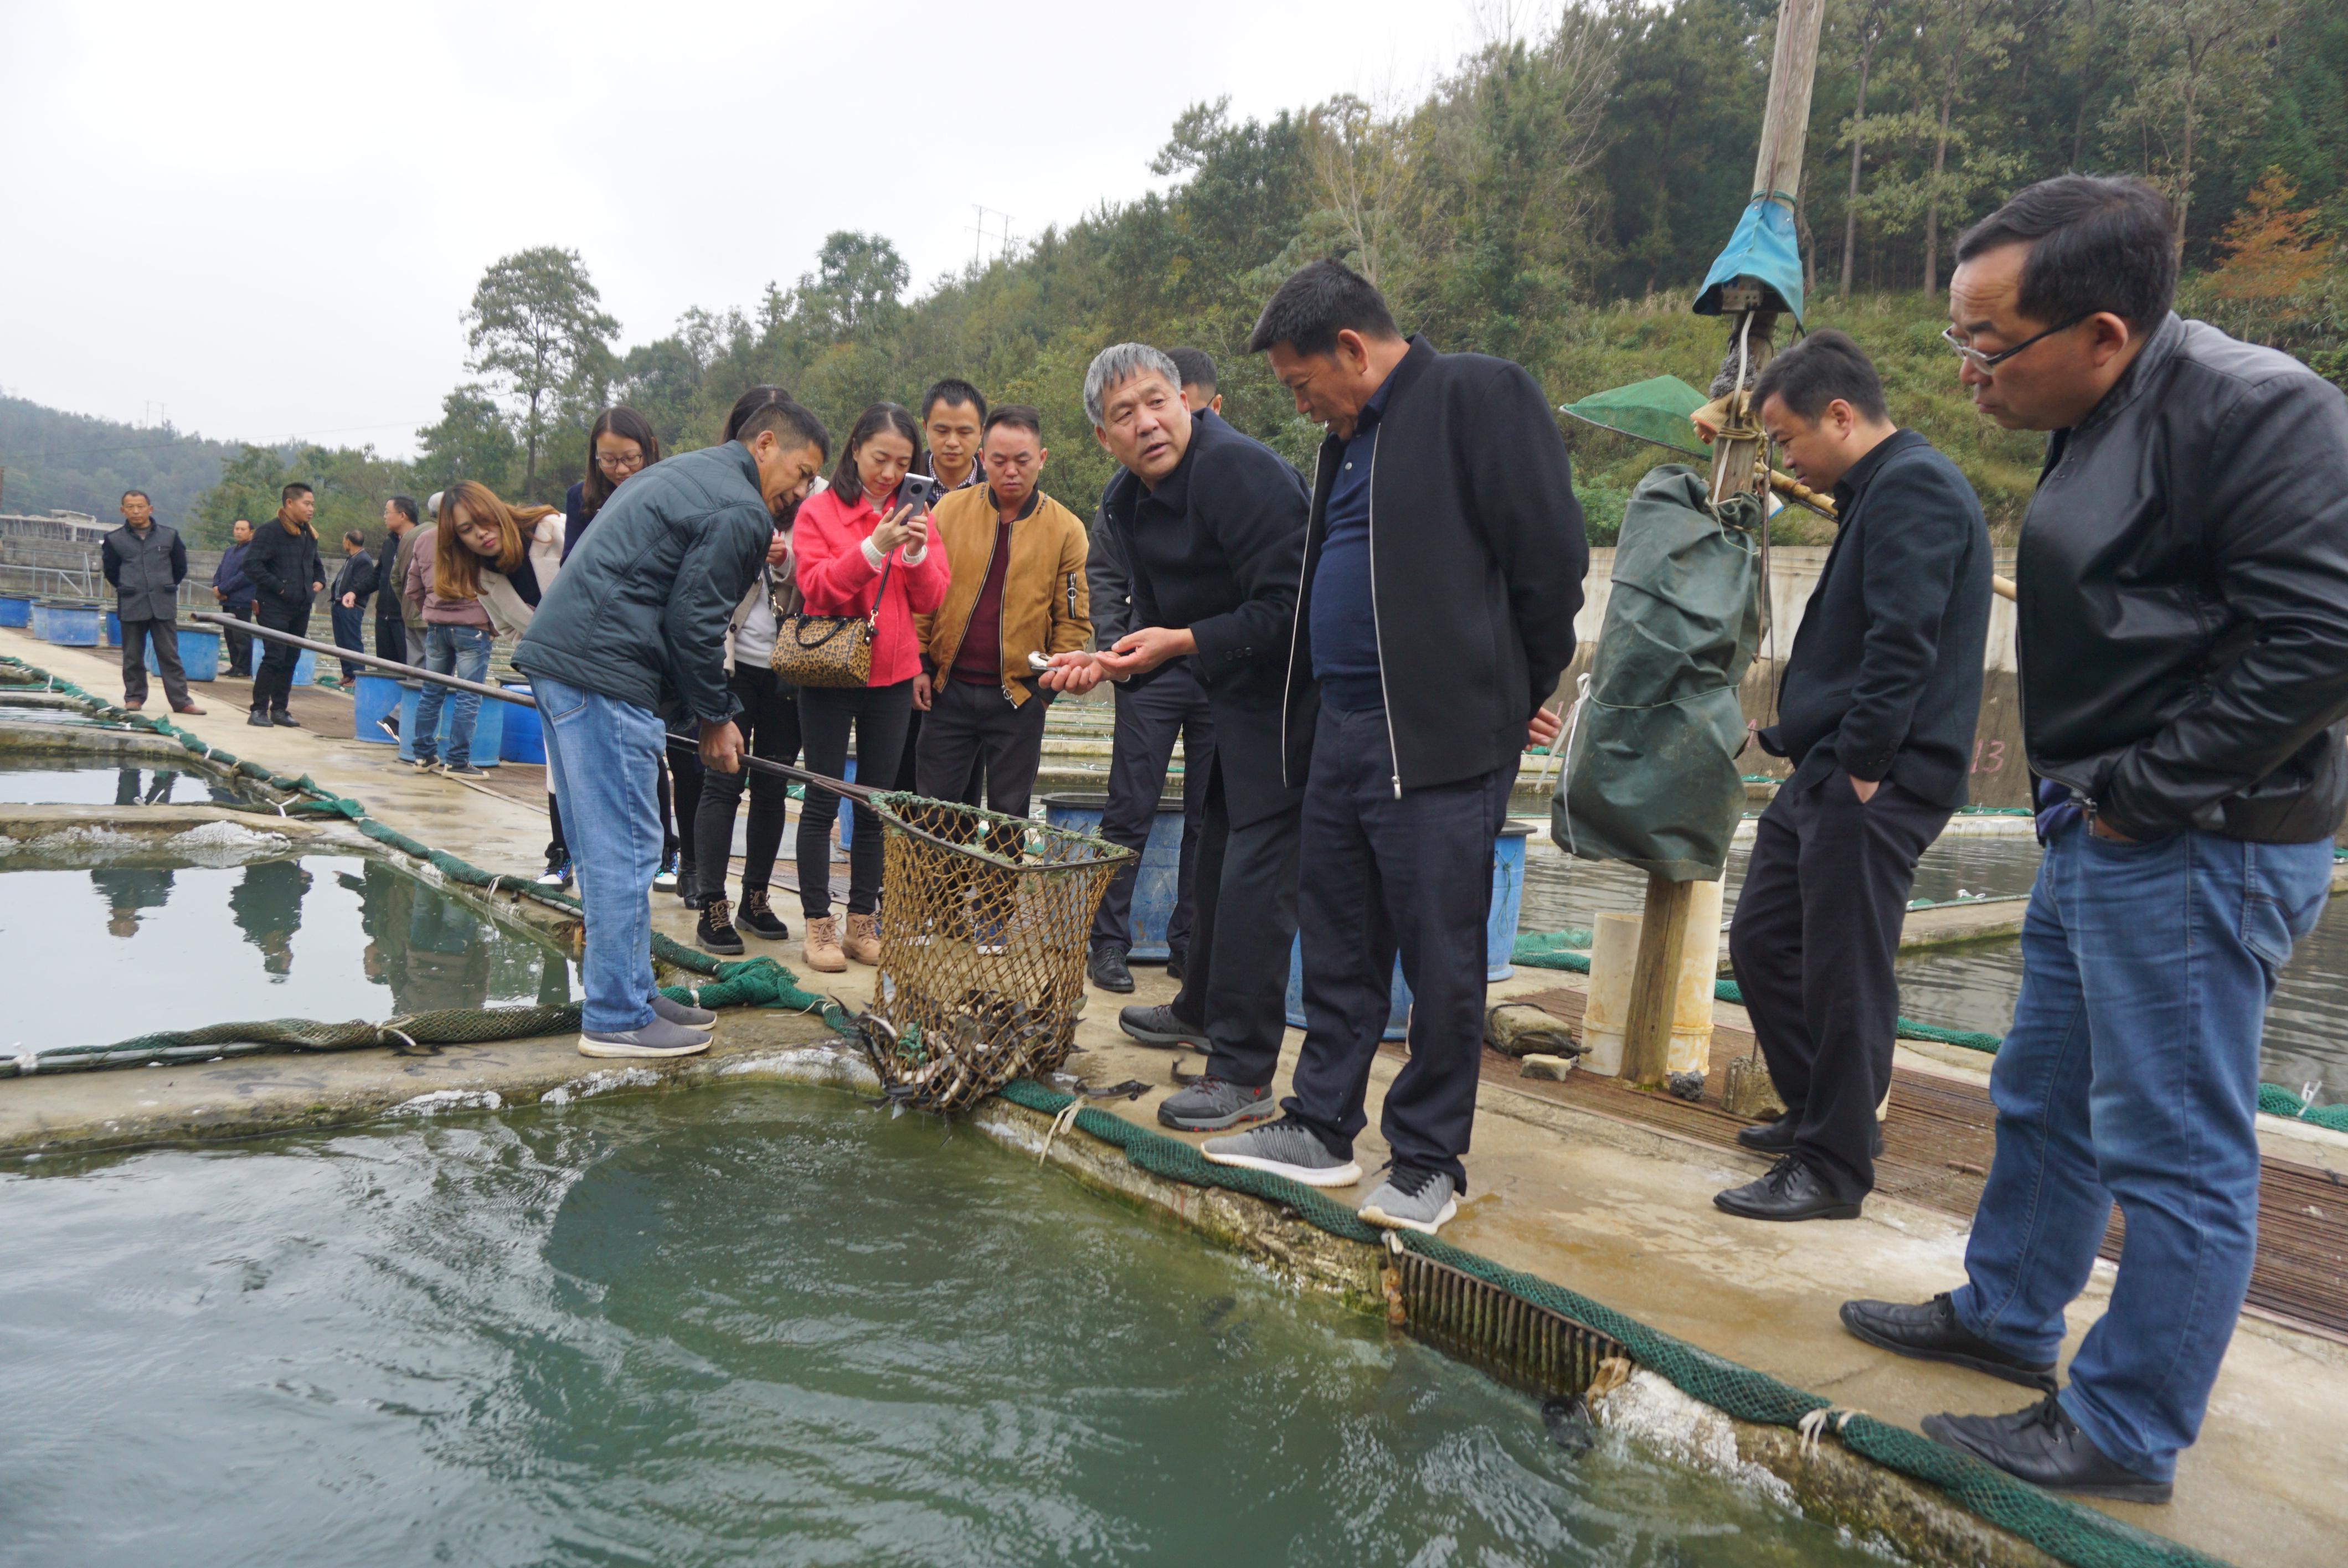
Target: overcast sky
{"type": "Point", "coordinates": [266, 218]}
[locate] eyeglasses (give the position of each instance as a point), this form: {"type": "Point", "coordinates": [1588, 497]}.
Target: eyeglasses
{"type": "Point", "coordinates": [620, 465]}
{"type": "Point", "coordinates": [1987, 363]}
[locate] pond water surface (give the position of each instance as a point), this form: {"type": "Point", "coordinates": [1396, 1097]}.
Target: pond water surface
{"type": "Point", "coordinates": [35, 780]}
{"type": "Point", "coordinates": [97, 956]}
{"type": "Point", "coordinates": [744, 1326]}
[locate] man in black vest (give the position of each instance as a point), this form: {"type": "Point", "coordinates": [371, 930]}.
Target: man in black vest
{"type": "Point", "coordinates": [1876, 711]}
{"type": "Point", "coordinates": [1212, 527]}
{"type": "Point", "coordinates": [1433, 640]}
{"type": "Point", "coordinates": [146, 561]}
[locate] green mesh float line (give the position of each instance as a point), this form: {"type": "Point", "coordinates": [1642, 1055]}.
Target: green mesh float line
{"type": "Point", "coordinates": [1547, 951]}
{"type": "Point", "coordinates": [2063, 1530]}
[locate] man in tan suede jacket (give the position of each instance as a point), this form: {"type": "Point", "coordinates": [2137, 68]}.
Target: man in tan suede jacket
{"type": "Point", "coordinates": [1018, 563]}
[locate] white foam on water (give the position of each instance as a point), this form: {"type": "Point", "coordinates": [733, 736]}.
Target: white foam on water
{"type": "Point", "coordinates": [441, 1099]}
{"type": "Point", "coordinates": [603, 1082]}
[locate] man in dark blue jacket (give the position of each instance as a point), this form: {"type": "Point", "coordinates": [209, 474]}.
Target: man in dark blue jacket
{"type": "Point", "coordinates": [640, 612]}
{"type": "Point", "coordinates": [1433, 641]}
{"type": "Point", "coordinates": [234, 592]}
{"type": "Point", "coordinates": [1876, 711]}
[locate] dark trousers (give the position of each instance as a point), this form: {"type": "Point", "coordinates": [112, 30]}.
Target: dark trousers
{"type": "Point", "coordinates": [1384, 874]}
{"type": "Point", "coordinates": [350, 631]}
{"type": "Point", "coordinates": [556, 845]}
{"type": "Point", "coordinates": [1816, 929]}
{"type": "Point", "coordinates": [165, 636]}
{"type": "Point", "coordinates": [769, 723]}
{"type": "Point", "coordinates": [272, 686]}
{"type": "Point", "coordinates": [1148, 719]}
{"type": "Point", "coordinates": [879, 715]}
{"type": "Point", "coordinates": [391, 638]}
{"type": "Point", "coordinates": [238, 645]}
{"type": "Point", "coordinates": [678, 790]}
{"type": "Point", "coordinates": [972, 737]}
{"type": "Point", "coordinates": [1236, 983]}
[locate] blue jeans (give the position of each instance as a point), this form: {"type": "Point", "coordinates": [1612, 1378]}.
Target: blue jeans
{"type": "Point", "coordinates": [462, 652]}
{"type": "Point", "coordinates": [600, 756]}
{"type": "Point", "coordinates": [2132, 1075]}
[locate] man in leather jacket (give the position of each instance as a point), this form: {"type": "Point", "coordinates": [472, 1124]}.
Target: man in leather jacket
{"type": "Point", "coordinates": [2183, 635]}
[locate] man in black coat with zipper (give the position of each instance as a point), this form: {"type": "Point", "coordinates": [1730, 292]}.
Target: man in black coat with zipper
{"type": "Point", "coordinates": [285, 572]}
{"type": "Point", "coordinates": [1876, 711]}
{"type": "Point", "coordinates": [1441, 573]}
{"type": "Point", "coordinates": [1212, 527]}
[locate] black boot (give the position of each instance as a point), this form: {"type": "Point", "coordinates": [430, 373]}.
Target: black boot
{"type": "Point", "coordinates": [1930, 1331]}
{"type": "Point", "coordinates": [1791, 1190]}
{"type": "Point", "coordinates": [758, 917]}
{"type": "Point", "coordinates": [715, 933]}
{"type": "Point", "coordinates": [2045, 1446]}
{"type": "Point", "coordinates": [1109, 971]}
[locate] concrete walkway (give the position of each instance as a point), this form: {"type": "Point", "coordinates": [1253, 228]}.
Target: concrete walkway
{"type": "Point", "coordinates": [1619, 1212]}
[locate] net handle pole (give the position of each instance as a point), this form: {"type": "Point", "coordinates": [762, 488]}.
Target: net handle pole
{"type": "Point", "coordinates": [501, 693]}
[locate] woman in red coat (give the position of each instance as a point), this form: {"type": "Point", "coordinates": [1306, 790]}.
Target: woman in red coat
{"type": "Point", "coordinates": [855, 545]}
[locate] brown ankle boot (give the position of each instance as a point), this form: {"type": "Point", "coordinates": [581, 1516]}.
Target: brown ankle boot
{"type": "Point", "coordinates": [863, 942]}
{"type": "Point", "coordinates": [821, 947]}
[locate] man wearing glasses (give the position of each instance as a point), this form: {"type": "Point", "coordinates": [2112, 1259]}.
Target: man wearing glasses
{"type": "Point", "coordinates": [1018, 567]}
{"type": "Point", "coordinates": [2183, 632]}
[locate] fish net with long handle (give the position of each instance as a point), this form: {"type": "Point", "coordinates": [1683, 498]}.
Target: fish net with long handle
{"type": "Point", "coordinates": [984, 927]}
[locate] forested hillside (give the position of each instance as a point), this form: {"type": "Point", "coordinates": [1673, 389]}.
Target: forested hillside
{"type": "Point", "coordinates": [1554, 198]}
{"type": "Point", "coordinates": [73, 463]}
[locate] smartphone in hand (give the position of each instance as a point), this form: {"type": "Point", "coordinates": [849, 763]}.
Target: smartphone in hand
{"type": "Point", "coordinates": [920, 492]}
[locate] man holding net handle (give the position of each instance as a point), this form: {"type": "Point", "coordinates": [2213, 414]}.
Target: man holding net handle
{"type": "Point", "coordinates": [639, 615]}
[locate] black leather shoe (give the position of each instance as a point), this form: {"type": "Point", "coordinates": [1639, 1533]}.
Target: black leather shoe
{"type": "Point", "coordinates": [285, 719]}
{"type": "Point", "coordinates": [2045, 1446]}
{"type": "Point", "coordinates": [1778, 1137]}
{"type": "Point", "coordinates": [258, 718]}
{"type": "Point", "coordinates": [1928, 1331]}
{"type": "Point", "coordinates": [1791, 1190]}
{"type": "Point", "coordinates": [1107, 970]}
{"type": "Point", "coordinates": [1159, 1026]}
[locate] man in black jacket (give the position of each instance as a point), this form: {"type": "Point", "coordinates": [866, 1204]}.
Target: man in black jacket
{"type": "Point", "coordinates": [146, 561]}
{"type": "Point", "coordinates": [284, 567]}
{"type": "Point", "coordinates": [1876, 711]}
{"type": "Point", "coordinates": [641, 615]}
{"type": "Point", "coordinates": [1153, 712]}
{"type": "Point", "coordinates": [1212, 527]}
{"type": "Point", "coordinates": [348, 604]}
{"type": "Point", "coordinates": [1433, 643]}
{"type": "Point", "coordinates": [2183, 631]}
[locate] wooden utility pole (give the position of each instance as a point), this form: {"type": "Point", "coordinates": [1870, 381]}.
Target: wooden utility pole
{"type": "Point", "coordinates": [1739, 464]}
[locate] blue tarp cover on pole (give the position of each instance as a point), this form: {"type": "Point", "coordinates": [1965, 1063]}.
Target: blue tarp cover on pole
{"type": "Point", "coordinates": [1764, 249]}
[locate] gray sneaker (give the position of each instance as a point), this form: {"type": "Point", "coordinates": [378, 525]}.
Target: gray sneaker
{"type": "Point", "coordinates": [658, 1037]}
{"type": "Point", "coordinates": [1412, 1200]}
{"type": "Point", "coordinates": [1211, 1105]}
{"type": "Point", "coordinates": [1285, 1148]}
{"type": "Point", "coordinates": [681, 1015]}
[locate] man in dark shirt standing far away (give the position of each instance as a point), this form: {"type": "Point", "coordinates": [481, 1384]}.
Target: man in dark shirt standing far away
{"type": "Point", "coordinates": [146, 561]}
{"type": "Point", "coordinates": [1211, 526]}
{"type": "Point", "coordinates": [1876, 710]}
{"type": "Point", "coordinates": [234, 592]}
{"type": "Point", "coordinates": [1434, 642]}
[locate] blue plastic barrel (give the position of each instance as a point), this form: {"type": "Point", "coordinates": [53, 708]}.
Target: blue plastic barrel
{"type": "Point", "coordinates": [200, 654]}
{"type": "Point", "coordinates": [305, 667]}
{"type": "Point", "coordinates": [37, 619]}
{"type": "Point", "coordinates": [1157, 883]}
{"type": "Point", "coordinates": [376, 699]}
{"type": "Point", "coordinates": [114, 629]}
{"type": "Point", "coordinates": [489, 729]}
{"type": "Point", "coordinates": [72, 625]}
{"type": "Point", "coordinates": [523, 740]}
{"type": "Point", "coordinates": [1499, 934]}
{"type": "Point", "coordinates": [15, 609]}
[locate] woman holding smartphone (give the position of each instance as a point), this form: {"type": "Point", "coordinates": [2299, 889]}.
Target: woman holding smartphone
{"type": "Point", "coordinates": [860, 550]}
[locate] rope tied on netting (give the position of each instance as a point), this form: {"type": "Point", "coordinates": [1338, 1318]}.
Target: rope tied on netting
{"type": "Point", "coordinates": [1813, 1425]}
{"type": "Point", "coordinates": [1060, 1124]}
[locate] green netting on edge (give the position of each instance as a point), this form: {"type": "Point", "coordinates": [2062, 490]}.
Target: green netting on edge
{"type": "Point", "coordinates": [2065, 1531]}
{"type": "Point", "coordinates": [1554, 951]}
{"type": "Point", "coordinates": [754, 982]}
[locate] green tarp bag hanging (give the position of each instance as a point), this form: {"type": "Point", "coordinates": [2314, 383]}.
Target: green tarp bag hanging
{"type": "Point", "coordinates": [1651, 774]}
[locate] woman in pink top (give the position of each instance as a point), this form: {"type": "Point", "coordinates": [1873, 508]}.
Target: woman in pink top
{"type": "Point", "coordinates": [855, 545]}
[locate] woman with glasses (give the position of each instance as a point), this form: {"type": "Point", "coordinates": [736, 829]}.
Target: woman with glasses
{"type": "Point", "coordinates": [860, 552]}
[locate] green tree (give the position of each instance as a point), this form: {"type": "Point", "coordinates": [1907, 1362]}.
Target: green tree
{"type": "Point", "coordinates": [536, 325]}
{"type": "Point", "coordinates": [2200, 68]}
{"type": "Point", "coordinates": [855, 289]}
{"type": "Point", "coordinates": [472, 440]}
